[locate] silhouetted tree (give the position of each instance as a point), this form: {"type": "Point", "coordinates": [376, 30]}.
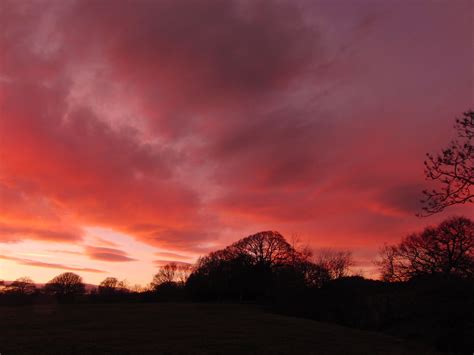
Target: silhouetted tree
{"type": "Point", "coordinates": [65, 286]}
{"type": "Point", "coordinates": [255, 267]}
{"type": "Point", "coordinates": [111, 286]}
{"type": "Point", "coordinates": [265, 249]}
{"type": "Point", "coordinates": [137, 288]}
{"type": "Point", "coordinates": [183, 273]}
{"type": "Point", "coordinates": [108, 285]}
{"type": "Point", "coordinates": [164, 275]}
{"type": "Point", "coordinates": [220, 275]}
{"type": "Point", "coordinates": [388, 264]}
{"type": "Point", "coordinates": [171, 273]}
{"type": "Point", "coordinates": [336, 263]}
{"type": "Point", "coordinates": [447, 249]}
{"type": "Point", "coordinates": [453, 168]}
{"type": "Point", "coordinates": [316, 275]}
{"type": "Point", "coordinates": [22, 286]}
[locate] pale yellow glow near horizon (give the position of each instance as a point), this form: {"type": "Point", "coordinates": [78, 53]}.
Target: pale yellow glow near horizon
{"type": "Point", "coordinates": [139, 271]}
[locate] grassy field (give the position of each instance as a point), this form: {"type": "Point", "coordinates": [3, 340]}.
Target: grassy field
{"type": "Point", "coordinates": [180, 328]}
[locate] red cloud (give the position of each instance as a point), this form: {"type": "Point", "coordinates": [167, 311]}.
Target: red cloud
{"type": "Point", "coordinates": [105, 242]}
{"type": "Point", "coordinates": [26, 215]}
{"type": "Point", "coordinates": [12, 233]}
{"type": "Point", "coordinates": [183, 122]}
{"type": "Point", "coordinates": [107, 254]}
{"type": "Point", "coordinates": [48, 265]}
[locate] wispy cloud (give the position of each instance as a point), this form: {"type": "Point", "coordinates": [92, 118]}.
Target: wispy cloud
{"type": "Point", "coordinates": [107, 254]}
{"type": "Point", "coordinates": [160, 263]}
{"type": "Point", "coordinates": [62, 251]}
{"type": "Point", "coordinates": [36, 263]}
{"type": "Point", "coordinates": [104, 242]}
{"type": "Point", "coordinates": [165, 254]}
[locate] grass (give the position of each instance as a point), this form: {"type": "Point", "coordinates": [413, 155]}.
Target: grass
{"type": "Point", "coordinates": [180, 328]}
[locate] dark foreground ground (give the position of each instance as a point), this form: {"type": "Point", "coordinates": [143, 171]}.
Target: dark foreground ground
{"type": "Point", "coordinates": [180, 328]}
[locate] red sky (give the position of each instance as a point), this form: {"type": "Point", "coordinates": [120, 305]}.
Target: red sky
{"type": "Point", "coordinates": [133, 132]}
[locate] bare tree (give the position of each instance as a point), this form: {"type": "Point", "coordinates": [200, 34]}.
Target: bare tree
{"type": "Point", "coordinates": [109, 283]}
{"type": "Point", "coordinates": [315, 275]}
{"type": "Point", "coordinates": [112, 285]}
{"type": "Point", "coordinates": [303, 251]}
{"type": "Point", "coordinates": [337, 263]}
{"type": "Point", "coordinates": [453, 169]}
{"type": "Point", "coordinates": [254, 267]}
{"type": "Point", "coordinates": [171, 273]}
{"type": "Point", "coordinates": [165, 274]}
{"type": "Point", "coordinates": [447, 249]}
{"type": "Point", "coordinates": [137, 288]}
{"type": "Point", "coordinates": [67, 284]}
{"type": "Point", "coordinates": [22, 285]}
{"type": "Point", "coordinates": [265, 249]}
{"type": "Point", "coordinates": [389, 264]}
{"type": "Point", "coordinates": [183, 272]}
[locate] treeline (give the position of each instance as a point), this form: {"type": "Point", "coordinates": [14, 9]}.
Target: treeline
{"type": "Point", "coordinates": [426, 291]}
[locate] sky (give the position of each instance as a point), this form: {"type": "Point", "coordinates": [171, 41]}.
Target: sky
{"type": "Point", "coordinates": [133, 133]}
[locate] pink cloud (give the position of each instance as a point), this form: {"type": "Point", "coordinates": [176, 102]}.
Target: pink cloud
{"type": "Point", "coordinates": [34, 263]}
{"type": "Point", "coordinates": [104, 242]}
{"type": "Point", "coordinates": [107, 254]}
{"type": "Point", "coordinates": [186, 124]}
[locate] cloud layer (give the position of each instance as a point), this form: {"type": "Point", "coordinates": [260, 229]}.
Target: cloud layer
{"type": "Point", "coordinates": [36, 263]}
{"type": "Point", "coordinates": [190, 124]}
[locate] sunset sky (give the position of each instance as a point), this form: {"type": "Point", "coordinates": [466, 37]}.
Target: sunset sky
{"type": "Point", "coordinates": [136, 132]}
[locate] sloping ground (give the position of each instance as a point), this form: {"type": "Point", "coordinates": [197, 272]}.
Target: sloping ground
{"type": "Point", "coordinates": [180, 328]}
